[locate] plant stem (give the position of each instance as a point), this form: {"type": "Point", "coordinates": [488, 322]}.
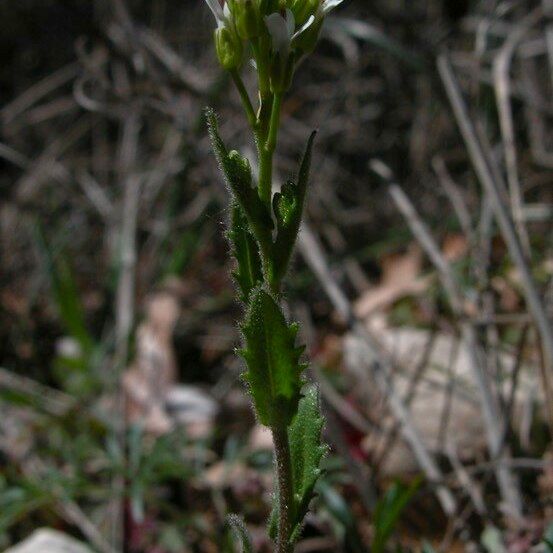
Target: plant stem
{"type": "Point", "coordinates": [267, 150]}
{"type": "Point", "coordinates": [260, 55]}
{"type": "Point", "coordinates": [244, 96]}
{"type": "Point", "coordinates": [265, 127]}
{"type": "Point", "coordinates": [265, 175]}
{"type": "Point", "coordinates": [274, 123]}
{"type": "Point", "coordinates": [285, 489]}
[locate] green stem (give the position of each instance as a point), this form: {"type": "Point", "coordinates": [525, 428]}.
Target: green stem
{"type": "Point", "coordinates": [265, 175]}
{"type": "Point", "coordinates": [265, 127]}
{"type": "Point", "coordinates": [267, 150]}
{"type": "Point", "coordinates": [260, 56]}
{"type": "Point", "coordinates": [285, 489]}
{"type": "Point", "coordinates": [244, 96]}
{"type": "Point", "coordinates": [274, 123]}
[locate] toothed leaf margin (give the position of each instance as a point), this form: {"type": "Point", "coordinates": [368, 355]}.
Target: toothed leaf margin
{"type": "Point", "coordinates": [273, 361]}
{"type": "Point", "coordinates": [237, 172]}
{"type": "Point", "coordinates": [236, 524]}
{"type": "Point", "coordinates": [288, 209]}
{"type": "Point", "coordinates": [244, 248]}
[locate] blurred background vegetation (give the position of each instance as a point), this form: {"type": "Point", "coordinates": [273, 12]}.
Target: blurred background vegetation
{"type": "Point", "coordinates": [423, 279]}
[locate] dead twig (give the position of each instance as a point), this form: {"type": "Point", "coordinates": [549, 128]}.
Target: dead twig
{"type": "Point", "coordinates": [69, 510]}
{"type": "Point", "coordinates": [36, 92]}
{"type": "Point", "coordinates": [125, 296]}
{"type": "Point", "coordinates": [488, 399]}
{"type": "Point", "coordinates": [55, 402]}
{"type": "Point", "coordinates": [501, 66]}
{"type": "Point", "coordinates": [382, 368]}
{"type": "Point", "coordinates": [505, 222]}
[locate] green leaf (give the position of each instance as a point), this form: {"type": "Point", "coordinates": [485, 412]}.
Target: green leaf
{"type": "Point", "coordinates": [273, 361]}
{"type": "Point", "coordinates": [427, 548]}
{"type": "Point", "coordinates": [344, 520]}
{"type": "Point", "coordinates": [306, 451]}
{"type": "Point", "coordinates": [548, 538]}
{"type": "Point", "coordinates": [249, 273]}
{"type": "Point", "coordinates": [181, 253]}
{"type": "Point", "coordinates": [171, 539]}
{"type": "Point", "coordinates": [18, 501]}
{"type": "Point", "coordinates": [288, 210]}
{"type": "Point", "coordinates": [236, 524]}
{"type": "Point", "coordinates": [272, 523]}
{"type": "Point", "coordinates": [388, 511]}
{"type": "Point", "coordinates": [66, 294]}
{"type": "Point", "coordinates": [238, 176]}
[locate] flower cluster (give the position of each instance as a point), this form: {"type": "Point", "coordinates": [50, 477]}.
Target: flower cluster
{"type": "Point", "coordinates": [279, 32]}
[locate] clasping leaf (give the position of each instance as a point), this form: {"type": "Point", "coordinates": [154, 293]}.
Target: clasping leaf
{"type": "Point", "coordinates": [236, 524]}
{"type": "Point", "coordinates": [273, 361]}
{"type": "Point", "coordinates": [288, 210]}
{"type": "Point", "coordinates": [238, 175]}
{"type": "Point", "coordinates": [248, 273]}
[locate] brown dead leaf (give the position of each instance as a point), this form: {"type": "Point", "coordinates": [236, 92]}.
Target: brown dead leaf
{"type": "Point", "coordinates": [455, 247]}
{"type": "Point", "coordinates": [329, 353]}
{"type": "Point", "coordinates": [142, 405]}
{"type": "Point", "coordinates": [260, 438]}
{"type": "Point", "coordinates": [153, 373]}
{"type": "Point", "coordinates": [14, 303]}
{"type": "Point", "coordinates": [400, 277]}
{"type": "Point", "coordinates": [401, 269]}
{"type": "Point", "coordinates": [509, 298]}
{"type": "Point", "coordinates": [223, 475]}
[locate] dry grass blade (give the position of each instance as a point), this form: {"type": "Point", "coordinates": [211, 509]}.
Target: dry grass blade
{"type": "Point", "coordinates": [503, 217]}
{"type": "Point", "coordinates": [315, 258]}
{"type": "Point", "coordinates": [493, 416]}
{"type": "Point", "coordinates": [501, 67]}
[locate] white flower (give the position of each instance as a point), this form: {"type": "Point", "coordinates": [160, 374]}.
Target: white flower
{"type": "Point", "coordinates": [329, 5]}
{"type": "Point", "coordinates": [281, 28]}
{"type": "Point", "coordinates": [222, 15]}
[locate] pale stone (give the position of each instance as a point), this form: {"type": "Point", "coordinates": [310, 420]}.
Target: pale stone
{"type": "Point", "coordinates": [46, 540]}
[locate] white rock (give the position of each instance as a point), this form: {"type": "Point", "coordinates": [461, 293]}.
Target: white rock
{"type": "Point", "coordinates": [448, 380]}
{"type": "Point", "coordinates": [190, 404]}
{"type": "Point", "coordinates": [46, 540]}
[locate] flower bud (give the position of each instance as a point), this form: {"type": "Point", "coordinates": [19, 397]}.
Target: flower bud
{"type": "Point", "coordinates": [229, 48]}
{"type": "Point", "coordinates": [281, 72]}
{"type": "Point", "coordinates": [246, 18]}
{"type": "Point", "coordinates": [266, 7]}
{"type": "Point", "coordinates": [305, 43]}
{"type": "Point", "coordinates": [303, 9]}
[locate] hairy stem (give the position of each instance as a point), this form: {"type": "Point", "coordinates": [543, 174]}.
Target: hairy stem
{"type": "Point", "coordinates": [285, 489]}
{"type": "Point", "coordinates": [280, 435]}
{"type": "Point", "coordinates": [265, 126]}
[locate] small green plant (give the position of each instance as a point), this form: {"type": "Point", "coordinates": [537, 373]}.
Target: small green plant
{"type": "Point", "coordinates": [388, 512]}
{"type": "Point", "coordinates": [263, 228]}
{"type": "Point", "coordinates": [548, 538]}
